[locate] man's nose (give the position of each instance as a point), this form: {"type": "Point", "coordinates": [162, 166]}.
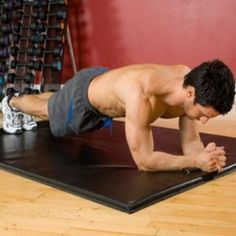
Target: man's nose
{"type": "Point", "coordinates": [203, 119]}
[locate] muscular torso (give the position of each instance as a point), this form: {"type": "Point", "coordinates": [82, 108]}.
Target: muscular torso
{"type": "Point", "coordinates": [141, 94]}
{"type": "Point", "coordinates": [111, 92]}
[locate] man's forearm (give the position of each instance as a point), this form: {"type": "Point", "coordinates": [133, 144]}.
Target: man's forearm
{"type": "Point", "coordinates": [193, 148]}
{"type": "Point", "coordinates": [189, 135]}
{"type": "Point", "coordinates": [160, 161]}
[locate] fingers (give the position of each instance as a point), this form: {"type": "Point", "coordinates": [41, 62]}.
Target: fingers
{"type": "Point", "coordinates": [210, 146]}
{"type": "Point", "coordinates": [218, 157]}
{"type": "Point", "coordinates": [220, 163]}
{"type": "Point", "coordinates": [219, 168]}
{"type": "Point", "coordinates": [216, 167]}
{"type": "Point", "coordinates": [217, 163]}
{"type": "Point", "coordinates": [218, 152]}
{"type": "Point", "coordinates": [221, 158]}
{"type": "Point", "coordinates": [213, 158]}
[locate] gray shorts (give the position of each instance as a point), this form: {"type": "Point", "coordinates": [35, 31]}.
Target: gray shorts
{"type": "Point", "coordinates": [69, 109]}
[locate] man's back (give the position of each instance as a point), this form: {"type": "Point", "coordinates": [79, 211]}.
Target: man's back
{"type": "Point", "coordinates": [111, 92]}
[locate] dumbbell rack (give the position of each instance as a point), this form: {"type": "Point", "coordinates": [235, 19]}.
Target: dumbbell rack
{"type": "Point", "coordinates": [32, 34]}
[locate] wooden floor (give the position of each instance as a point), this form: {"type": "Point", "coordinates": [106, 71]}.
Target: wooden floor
{"type": "Point", "coordinates": [28, 208]}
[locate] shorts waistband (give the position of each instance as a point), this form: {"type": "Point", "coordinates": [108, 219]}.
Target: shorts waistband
{"type": "Point", "coordinates": [87, 75]}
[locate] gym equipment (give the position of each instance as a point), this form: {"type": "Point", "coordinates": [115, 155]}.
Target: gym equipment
{"type": "Point", "coordinates": [4, 17]}
{"type": "Point", "coordinates": [41, 15]}
{"type": "Point", "coordinates": [10, 5]}
{"type": "Point", "coordinates": [35, 91]}
{"type": "Point", "coordinates": [32, 31]}
{"type": "Point", "coordinates": [5, 28]}
{"type": "Point", "coordinates": [27, 78]}
{"type": "Point", "coordinates": [10, 91]}
{"type": "Point", "coordinates": [35, 27]}
{"type": "Point", "coordinates": [3, 66]}
{"type": "Point", "coordinates": [30, 91]}
{"type": "Point", "coordinates": [38, 52]}
{"type": "Point", "coordinates": [98, 165]}
{"type": "Point", "coordinates": [45, 3]}
{"type": "Point", "coordinates": [71, 50]}
{"type": "Point", "coordinates": [7, 5]}
{"type": "Point", "coordinates": [37, 65]}
{"type": "Point", "coordinates": [4, 53]}
{"type": "Point", "coordinates": [18, 4]}
{"type": "Point", "coordinates": [4, 40]}
{"type": "Point", "coordinates": [2, 79]}
{"type": "Point", "coordinates": [26, 90]}
{"type": "Point", "coordinates": [37, 38]}
{"type": "Point", "coordinates": [1, 95]}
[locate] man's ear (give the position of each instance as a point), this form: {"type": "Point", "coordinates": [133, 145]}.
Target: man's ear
{"type": "Point", "coordinates": [190, 92]}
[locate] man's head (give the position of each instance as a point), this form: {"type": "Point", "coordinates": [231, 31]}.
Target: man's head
{"type": "Point", "coordinates": [213, 86]}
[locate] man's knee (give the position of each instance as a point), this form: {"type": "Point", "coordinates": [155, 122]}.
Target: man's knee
{"type": "Point", "coordinates": [42, 109]}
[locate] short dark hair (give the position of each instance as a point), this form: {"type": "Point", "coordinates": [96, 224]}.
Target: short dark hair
{"type": "Point", "coordinates": [214, 85]}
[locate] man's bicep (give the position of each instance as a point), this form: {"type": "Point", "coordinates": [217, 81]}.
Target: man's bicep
{"type": "Point", "coordinates": [138, 129]}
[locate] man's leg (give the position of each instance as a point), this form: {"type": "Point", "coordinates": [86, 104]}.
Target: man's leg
{"type": "Point", "coordinates": [18, 111]}
{"type": "Point", "coordinates": [34, 105]}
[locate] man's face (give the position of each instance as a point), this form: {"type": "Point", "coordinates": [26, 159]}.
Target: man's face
{"type": "Point", "coordinates": [197, 111]}
{"type": "Point", "coordinates": [201, 113]}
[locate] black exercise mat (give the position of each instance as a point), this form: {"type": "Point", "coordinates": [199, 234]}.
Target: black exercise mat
{"type": "Point", "coordinates": [98, 165]}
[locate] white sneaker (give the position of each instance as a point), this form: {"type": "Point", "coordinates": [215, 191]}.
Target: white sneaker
{"type": "Point", "coordinates": [28, 122]}
{"type": "Point", "coordinates": [11, 118]}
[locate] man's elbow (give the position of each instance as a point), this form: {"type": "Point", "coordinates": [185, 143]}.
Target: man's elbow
{"type": "Point", "coordinates": [145, 165]}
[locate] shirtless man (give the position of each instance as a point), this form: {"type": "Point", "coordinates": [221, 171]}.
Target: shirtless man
{"type": "Point", "coordinates": [141, 94]}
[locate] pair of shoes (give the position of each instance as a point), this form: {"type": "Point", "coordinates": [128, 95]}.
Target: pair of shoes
{"type": "Point", "coordinates": [28, 123]}
{"type": "Point", "coordinates": [14, 120]}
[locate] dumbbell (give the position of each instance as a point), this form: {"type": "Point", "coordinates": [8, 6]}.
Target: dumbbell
{"type": "Point", "coordinates": [30, 91]}
{"type": "Point", "coordinates": [38, 52]}
{"type": "Point", "coordinates": [6, 28]}
{"type": "Point", "coordinates": [3, 66]}
{"type": "Point", "coordinates": [28, 78]}
{"type": "Point", "coordinates": [18, 4]}
{"type": "Point", "coordinates": [37, 38]}
{"type": "Point", "coordinates": [26, 90]}
{"type": "Point", "coordinates": [1, 96]}
{"type": "Point", "coordinates": [2, 80]}
{"type": "Point", "coordinates": [37, 65]}
{"type": "Point", "coordinates": [4, 40]}
{"type": "Point", "coordinates": [4, 17]}
{"type": "Point", "coordinates": [10, 91]}
{"type": "Point", "coordinates": [9, 5]}
{"type": "Point", "coordinates": [44, 3]}
{"type": "Point", "coordinates": [36, 27]}
{"type": "Point", "coordinates": [61, 15]}
{"type": "Point", "coordinates": [4, 53]}
{"type": "Point", "coordinates": [57, 52]}
{"type": "Point", "coordinates": [35, 91]}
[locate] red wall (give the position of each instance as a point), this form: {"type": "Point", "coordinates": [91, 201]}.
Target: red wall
{"type": "Point", "coordinates": [118, 32]}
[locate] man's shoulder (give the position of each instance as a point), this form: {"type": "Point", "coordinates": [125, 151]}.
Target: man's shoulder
{"type": "Point", "coordinates": [182, 69]}
{"type": "Point", "coordinates": [166, 70]}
